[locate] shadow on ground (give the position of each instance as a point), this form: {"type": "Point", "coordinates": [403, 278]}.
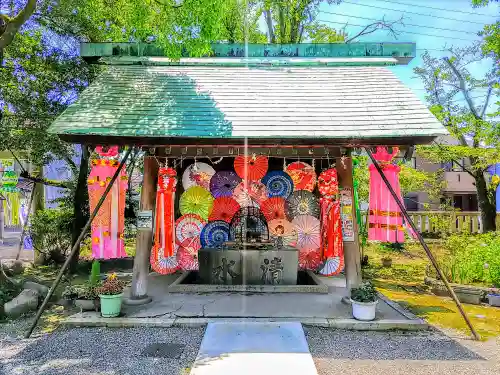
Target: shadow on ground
{"type": "Point", "coordinates": [356, 345]}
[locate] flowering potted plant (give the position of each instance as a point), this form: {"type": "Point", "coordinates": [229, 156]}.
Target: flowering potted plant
{"type": "Point", "coordinates": [387, 261]}
{"type": "Point", "coordinates": [110, 294]}
{"type": "Point", "coordinates": [364, 301]}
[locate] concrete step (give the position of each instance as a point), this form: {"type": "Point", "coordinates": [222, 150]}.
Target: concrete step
{"type": "Point", "coordinates": [266, 348]}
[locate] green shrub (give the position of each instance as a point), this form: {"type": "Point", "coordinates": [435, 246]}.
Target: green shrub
{"type": "Point", "coordinates": [366, 292]}
{"type": "Point", "coordinates": [473, 259]}
{"type": "Point", "coordinates": [51, 233]}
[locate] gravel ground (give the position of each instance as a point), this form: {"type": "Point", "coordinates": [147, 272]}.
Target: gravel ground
{"type": "Point", "coordinates": [398, 353]}
{"type": "Point", "coordinates": [98, 351]}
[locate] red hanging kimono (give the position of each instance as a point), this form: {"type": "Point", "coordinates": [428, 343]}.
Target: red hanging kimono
{"type": "Point", "coordinates": [164, 239]}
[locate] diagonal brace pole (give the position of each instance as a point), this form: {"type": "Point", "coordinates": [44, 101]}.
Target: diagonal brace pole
{"type": "Point", "coordinates": [424, 245]}
{"type": "Point", "coordinates": [76, 246]}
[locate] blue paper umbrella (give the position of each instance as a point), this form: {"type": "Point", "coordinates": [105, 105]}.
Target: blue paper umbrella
{"type": "Point", "coordinates": [278, 184]}
{"type": "Point", "coordinates": [214, 234]}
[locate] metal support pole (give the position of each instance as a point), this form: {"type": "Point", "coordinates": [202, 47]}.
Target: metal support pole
{"type": "Point", "coordinates": [424, 245]}
{"type": "Point", "coordinates": [25, 226]}
{"type": "Point", "coordinates": [76, 246]}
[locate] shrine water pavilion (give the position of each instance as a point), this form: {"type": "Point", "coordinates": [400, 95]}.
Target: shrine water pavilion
{"type": "Point", "coordinates": [248, 170]}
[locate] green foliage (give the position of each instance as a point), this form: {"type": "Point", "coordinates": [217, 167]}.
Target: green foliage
{"type": "Point", "coordinates": [473, 259]}
{"type": "Point", "coordinates": [111, 286]}
{"type": "Point", "coordinates": [490, 33]}
{"type": "Point", "coordinates": [320, 33]}
{"type": "Point", "coordinates": [86, 291]}
{"type": "Point", "coordinates": [95, 273]}
{"type": "Point", "coordinates": [365, 293]}
{"type": "Point", "coordinates": [240, 23]}
{"type": "Point", "coordinates": [51, 233]}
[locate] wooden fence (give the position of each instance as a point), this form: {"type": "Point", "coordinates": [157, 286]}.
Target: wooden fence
{"type": "Point", "coordinates": [444, 221]}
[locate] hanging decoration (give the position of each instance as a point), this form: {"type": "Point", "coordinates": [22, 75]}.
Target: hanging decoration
{"type": "Point", "coordinates": [328, 183]}
{"type": "Point", "coordinates": [188, 228]}
{"type": "Point", "coordinates": [282, 233]}
{"type": "Point", "coordinates": [196, 200]}
{"type": "Point", "coordinates": [332, 266]}
{"type": "Point", "coordinates": [249, 224]}
{"type": "Point", "coordinates": [164, 238]}
{"type": "Point", "coordinates": [223, 183]}
{"type": "Point", "coordinates": [197, 174]}
{"type": "Point", "coordinates": [385, 218]}
{"type": "Point", "coordinates": [273, 208]}
{"type": "Point", "coordinates": [224, 209]}
{"type": "Point", "coordinates": [278, 184]}
{"type": "Point", "coordinates": [308, 232]}
{"type": "Point", "coordinates": [302, 174]}
{"type": "Point", "coordinates": [250, 194]}
{"type": "Point", "coordinates": [109, 223]}
{"type": "Point", "coordinates": [310, 259]}
{"type": "Point", "coordinates": [301, 202]}
{"type": "Point", "coordinates": [214, 234]}
{"type": "Point", "coordinates": [162, 264]}
{"type": "Point", "coordinates": [251, 168]}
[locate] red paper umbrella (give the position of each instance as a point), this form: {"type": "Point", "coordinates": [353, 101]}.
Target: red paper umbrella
{"type": "Point", "coordinates": [189, 226]}
{"type": "Point", "coordinates": [251, 168]}
{"type": "Point", "coordinates": [302, 174]}
{"type": "Point", "coordinates": [162, 264]}
{"type": "Point", "coordinates": [250, 193]}
{"type": "Point", "coordinates": [310, 259]}
{"type": "Point", "coordinates": [273, 208]}
{"type": "Point", "coordinates": [332, 266]}
{"type": "Point", "coordinates": [308, 232]}
{"type": "Point", "coordinates": [328, 184]}
{"type": "Point", "coordinates": [224, 209]}
{"type": "Point", "coordinates": [187, 255]}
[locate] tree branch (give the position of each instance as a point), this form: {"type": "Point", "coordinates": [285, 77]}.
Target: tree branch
{"type": "Point", "coordinates": [15, 23]}
{"type": "Point", "coordinates": [488, 95]}
{"type": "Point", "coordinates": [71, 164]}
{"type": "Point", "coordinates": [270, 28]}
{"type": "Point", "coordinates": [44, 181]}
{"type": "Point", "coordinates": [379, 25]}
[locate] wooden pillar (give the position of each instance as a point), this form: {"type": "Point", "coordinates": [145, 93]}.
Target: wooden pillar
{"type": "Point", "coordinates": [352, 252]}
{"type": "Point", "coordinates": [139, 289]}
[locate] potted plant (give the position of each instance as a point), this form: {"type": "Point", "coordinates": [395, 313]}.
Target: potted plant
{"type": "Point", "coordinates": [87, 298]}
{"type": "Point", "coordinates": [364, 301]}
{"type": "Point", "coordinates": [110, 294]}
{"type": "Point", "coordinates": [68, 296]}
{"type": "Point", "coordinates": [387, 261]}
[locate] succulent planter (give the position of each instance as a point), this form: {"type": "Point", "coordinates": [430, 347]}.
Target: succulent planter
{"type": "Point", "coordinates": [494, 299]}
{"type": "Point", "coordinates": [364, 311]}
{"type": "Point", "coordinates": [387, 262]}
{"type": "Point", "coordinates": [86, 304]}
{"type": "Point", "coordinates": [111, 305]}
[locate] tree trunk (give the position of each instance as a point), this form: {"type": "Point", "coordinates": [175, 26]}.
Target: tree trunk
{"type": "Point", "coordinates": [80, 205]}
{"type": "Point", "coordinates": [38, 205]}
{"type": "Point", "coordinates": [488, 211]}
{"type": "Point", "coordinates": [270, 28]}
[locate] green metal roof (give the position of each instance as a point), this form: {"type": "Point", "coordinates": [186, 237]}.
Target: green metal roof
{"type": "Point", "coordinates": [147, 104]}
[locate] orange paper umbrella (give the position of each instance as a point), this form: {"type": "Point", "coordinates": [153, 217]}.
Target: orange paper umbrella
{"type": "Point", "coordinates": [332, 266]}
{"type": "Point", "coordinates": [309, 259]}
{"type": "Point", "coordinates": [164, 264]}
{"type": "Point", "coordinates": [250, 193]}
{"type": "Point", "coordinates": [251, 168]}
{"type": "Point", "coordinates": [224, 209]}
{"type": "Point", "coordinates": [302, 174]}
{"type": "Point", "coordinates": [273, 208]}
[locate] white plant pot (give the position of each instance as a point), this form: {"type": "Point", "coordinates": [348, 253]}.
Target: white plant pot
{"type": "Point", "coordinates": [364, 310]}
{"type": "Point", "coordinates": [494, 300]}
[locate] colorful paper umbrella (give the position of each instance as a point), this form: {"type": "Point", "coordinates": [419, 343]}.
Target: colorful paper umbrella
{"type": "Point", "coordinates": [196, 200]}
{"type": "Point", "coordinates": [273, 208]}
{"type": "Point", "coordinates": [308, 232]}
{"type": "Point", "coordinates": [302, 174]}
{"type": "Point", "coordinates": [278, 184]}
{"type": "Point", "coordinates": [222, 183]}
{"type": "Point", "coordinates": [214, 234]}
{"type": "Point", "coordinates": [197, 174]}
{"type": "Point", "coordinates": [328, 183]}
{"type": "Point", "coordinates": [187, 259]}
{"type": "Point", "coordinates": [250, 194]}
{"type": "Point", "coordinates": [301, 202]}
{"type": "Point", "coordinates": [283, 232]}
{"type": "Point", "coordinates": [164, 265]}
{"type": "Point", "coordinates": [188, 227]}
{"type": "Point", "coordinates": [251, 168]}
{"type": "Point", "coordinates": [332, 266]}
{"type": "Point", "coordinates": [309, 259]}
{"type": "Point", "coordinates": [224, 209]}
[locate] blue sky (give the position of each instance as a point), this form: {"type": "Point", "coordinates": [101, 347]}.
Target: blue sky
{"type": "Point", "coordinates": [394, 9]}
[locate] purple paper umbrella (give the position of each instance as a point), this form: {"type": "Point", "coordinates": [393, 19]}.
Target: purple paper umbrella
{"type": "Point", "coordinates": [223, 183]}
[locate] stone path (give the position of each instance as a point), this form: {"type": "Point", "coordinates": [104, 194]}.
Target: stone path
{"type": "Point", "coordinates": [254, 348]}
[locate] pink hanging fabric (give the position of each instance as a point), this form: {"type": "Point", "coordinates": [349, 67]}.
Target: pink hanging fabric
{"type": "Point", "coordinates": [109, 224]}
{"type": "Point", "coordinates": [385, 218]}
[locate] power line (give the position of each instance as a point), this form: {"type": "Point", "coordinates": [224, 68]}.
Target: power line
{"type": "Point", "coordinates": [442, 9]}
{"type": "Point", "coordinates": [404, 23]}
{"type": "Point", "coordinates": [418, 14]}
{"type": "Point", "coordinates": [407, 32]}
